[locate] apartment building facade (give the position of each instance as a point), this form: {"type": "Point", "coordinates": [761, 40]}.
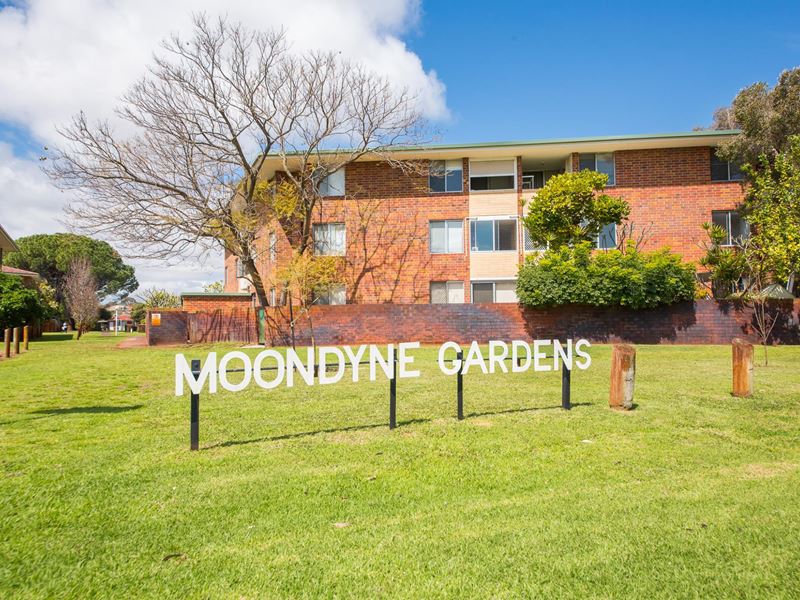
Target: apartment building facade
{"type": "Point", "coordinates": [451, 232]}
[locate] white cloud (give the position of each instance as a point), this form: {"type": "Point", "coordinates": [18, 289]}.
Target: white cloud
{"type": "Point", "coordinates": [62, 57]}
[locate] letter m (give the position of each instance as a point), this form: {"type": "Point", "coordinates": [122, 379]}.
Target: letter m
{"type": "Point", "coordinates": [183, 371]}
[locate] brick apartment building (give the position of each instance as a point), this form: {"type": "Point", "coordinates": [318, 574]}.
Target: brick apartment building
{"type": "Point", "coordinates": [453, 234]}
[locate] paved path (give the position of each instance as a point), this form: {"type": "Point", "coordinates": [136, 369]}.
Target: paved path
{"type": "Point", "coordinates": [138, 341]}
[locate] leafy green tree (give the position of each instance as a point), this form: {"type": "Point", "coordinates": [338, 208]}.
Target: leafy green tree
{"type": "Point", "coordinates": [18, 305]}
{"type": "Point", "coordinates": [726, 264]}
{"type": "Point", "coordinates": [768, 118]}
{"type": "Point", "coordinates": [572, 208]}
{"type": "Point", "coordinates": [772, 207]}
{"type": "Point", "coordinates": [306, 277]}
{"type": "Point", "coordinates": [576, 275]}
{"type": "Point", "coordinates": [159, 298]}
{"type": "Point", "coordinates": [215, 287]}
{"type": "Point", "coordinates": [138, 313]}
{"type": "Point", "coordinates": [51, 255]}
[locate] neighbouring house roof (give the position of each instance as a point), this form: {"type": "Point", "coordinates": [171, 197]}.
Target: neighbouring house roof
{"type": "Point", "coordinates": [776, 291]}
{"type": "Point", "coordinates": [20, 272]}
{"type": "Point", "coordinates": [7, 242]}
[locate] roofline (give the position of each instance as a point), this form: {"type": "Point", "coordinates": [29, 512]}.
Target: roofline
{"type": "Point", "coordinates": [545, 142]}
{"type": "Point", "coordinates": [10, 239]}
{"type": "Point", "coordinates": [238, 294]}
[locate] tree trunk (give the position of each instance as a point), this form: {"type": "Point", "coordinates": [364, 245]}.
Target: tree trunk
{"type": "Point", "coordinates": [258, 283]}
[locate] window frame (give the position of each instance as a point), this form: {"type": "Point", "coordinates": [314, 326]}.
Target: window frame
{"type": "Point", "coordinates": [447, 226]}
{"type": "Point", "coordinates": [495, 232]}
{"type": "Point", "coordinates": [728, 229]}
{"type": "Point", "coordinates": [728, 166]}
{"type": "Point", "coordinates": [328, 227]}
{"type": "Point", "coordinates": [328, 294]}
{"type": "Point", "coordinates": [599, 236]}
{"type": "Point", "coordinates": [460, 169]}
{"type": "Point", "coordinates": [447, 284]}
{"type": "Point", "coordinates": [273, 246]}
{"type": "Point", "coordinates": [594, 154]}
{"type": "Point", "coordinates": [326, 182]}
{"type": "Point", "coordinates": [493, 283]}
{"type": "Point", "coordinates": [503, 190]}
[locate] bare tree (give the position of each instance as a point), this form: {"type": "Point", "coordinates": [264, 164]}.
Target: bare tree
{"type": "Point", "coordinates": [80, 289]}
{"type": "Point", "coordinates": [210, 111]}
{"type": "Point", "coordinates": [628, 236]}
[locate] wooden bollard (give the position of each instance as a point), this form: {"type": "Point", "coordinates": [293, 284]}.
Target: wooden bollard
{"type": "Point", "coordinates": [623, 374]}
{"type": "Point", "coordinates": [25, 336]}
{"type": "Point", "coordinates": [16, 339]}
{"type": "Point", "coordinates": [742, 368]}
{"type": "Point", "coordinates": [7, 342]}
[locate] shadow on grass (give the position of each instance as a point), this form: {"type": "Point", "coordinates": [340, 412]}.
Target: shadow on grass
{"type": "Point", "coordinates": [302, 434]}
{"type": "Point", "coordinates": [292, 436]}
{"type": "Point", "coordinates": [509, 411]}
{"type": "Point", "coordinates": [54, 337]}
{"type": "Point", "coordinates": [87, 410]}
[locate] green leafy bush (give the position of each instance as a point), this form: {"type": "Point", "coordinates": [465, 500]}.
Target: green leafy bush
{"type": "Point", "coordinates": [613, 278]}
{"type": "Point", "coordinates": [18, 305]}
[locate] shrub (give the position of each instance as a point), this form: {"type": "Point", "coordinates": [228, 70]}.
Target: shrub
{"type": "Point", "coordinates": [18, 305]}
{"type": "Point", "coordinates": [613, 278]}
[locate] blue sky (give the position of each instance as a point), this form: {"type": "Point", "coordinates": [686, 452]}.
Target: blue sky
{"type": "Point", "coordinates": [526, 70]}
{"type": "Point", "coordinates": [501, 70]}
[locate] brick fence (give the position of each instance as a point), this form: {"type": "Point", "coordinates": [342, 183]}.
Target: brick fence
{"type": "Point", "coordinates": [701, 322]}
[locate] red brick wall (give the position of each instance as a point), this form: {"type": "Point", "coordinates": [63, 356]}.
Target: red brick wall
{"type": "Point", "coordinates": [387, 211]}
{"type": "Point", "coordinates": [702, 322]}
{"type": "Point", "coordinates": [200, 303]}
{"type": "Point", "coordinates": [671, 194]}
{"type": "Point", "coordinates": [174, 328]}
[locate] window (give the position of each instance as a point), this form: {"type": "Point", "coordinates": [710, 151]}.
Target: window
{"type": "Point", "coordinates": [446, 176]}
{"type": "Point", "coordinates": [536, 180]}
{"type": "Point", "coordinates": [493, 235]}
{"type": "Point", "coordinates": [333, 184]}
{"type": "Point", "coordinates": [272, 297]}
{"type": "Point", "coordinates": [602, 163]}
{"type": "Point", "coordinates": [239, 269]}
{"type": "Point", "coordinates": [447, 292]}
{"type": "Point", "coordinates": [273, 246]}
{"type": "Point", "coordinates": [492, 175]}
{"type": "Point", "coordinates": [736, 228]}
{"type": "Point", "coordinates": [723, 170]}
{"type": "Point", "coordinates": [500, 292]}
{"type": "Point", "coordinates": [329, 239]}
{"type": "Point", "coordinates": [333, 295]}
{"type": "Point", "coordinates": [607, 238]}
{"type": "Point", "coordinates": [447, 237]}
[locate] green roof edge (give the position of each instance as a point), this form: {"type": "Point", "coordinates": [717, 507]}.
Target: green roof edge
{"type": "Point", "coordinates": [544, 142]}
{"type": "Point", "coordinates": [215, 294]}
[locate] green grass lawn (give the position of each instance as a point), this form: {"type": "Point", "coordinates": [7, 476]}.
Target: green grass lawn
{"type": "Point", "coordinates": [304, 492]}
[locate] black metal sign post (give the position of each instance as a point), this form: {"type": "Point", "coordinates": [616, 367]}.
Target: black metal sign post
{"type": "Point", "coordinates": [194, 419]}
{"type": "Point", "coordinates": [460, 386]}
{"type": "Point", "coordinates": [565, 385]}
{"type": "Point", "coordinates": [393, 396]}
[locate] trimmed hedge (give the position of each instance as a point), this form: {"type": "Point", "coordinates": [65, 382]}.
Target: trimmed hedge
{"type": "Point", "coordinates": [611, 278]}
